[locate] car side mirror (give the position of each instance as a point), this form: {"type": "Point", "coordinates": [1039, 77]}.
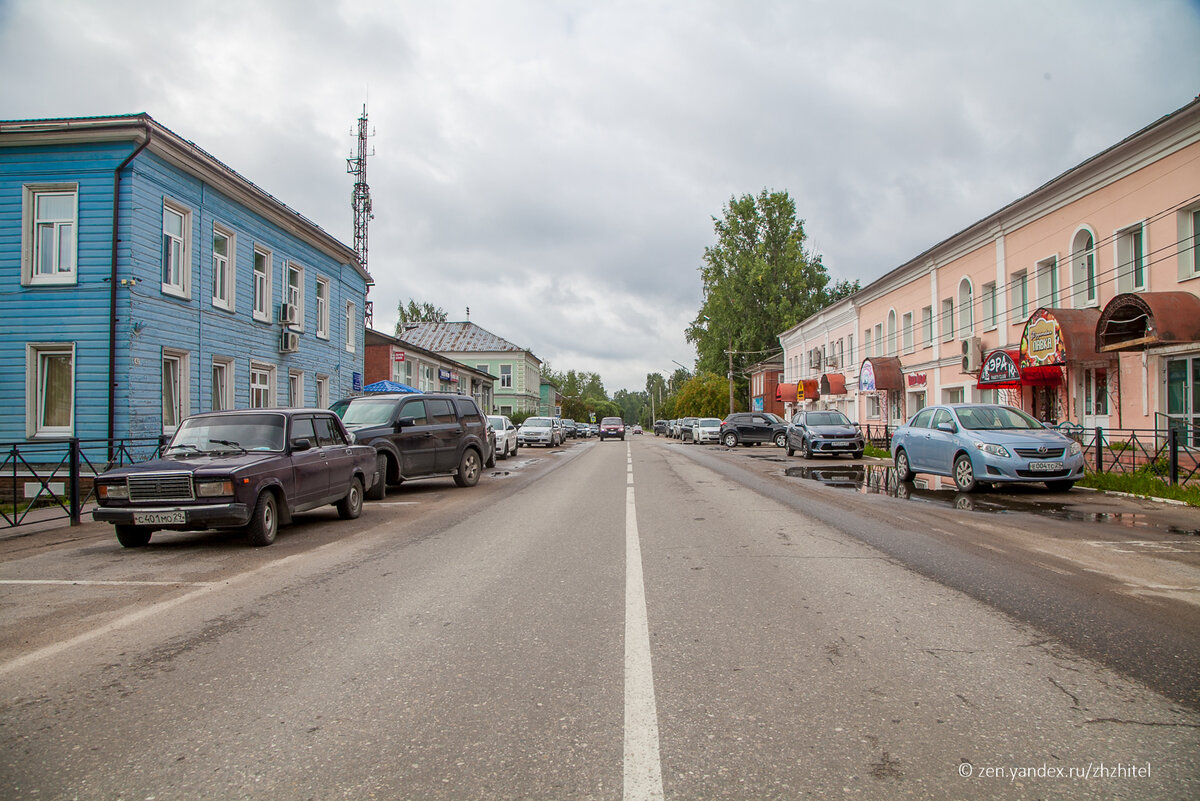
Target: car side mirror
{"type": "Point", "coordinates": [302, 444]}
{"type": "Point", "coordinates": [405, 421]}
{"type": "Point", "coordinates": [949, 428]}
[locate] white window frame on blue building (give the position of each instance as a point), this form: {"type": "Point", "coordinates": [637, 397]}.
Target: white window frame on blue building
{"type": "Point", "coordinates": [176, 250]}
{"type": "Point", "coordinates": [45, 414]}
{"type": "Point", "coordinates": [224, 264]}
{"type": "Point", "coordinates": [49, 236]}
{"type": "Point", "coordinates": [262, 285]}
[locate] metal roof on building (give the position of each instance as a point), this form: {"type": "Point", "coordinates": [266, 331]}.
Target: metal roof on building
{"type": "Point", "coordinates": [457, 338]}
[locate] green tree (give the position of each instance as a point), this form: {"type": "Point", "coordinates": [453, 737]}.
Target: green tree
{"type": "Point", "coordinates": [759, 280]}
{"type": "Point", "coordinates": [704, 395]}
{"type": "Point", "coordinates": [416, 312]}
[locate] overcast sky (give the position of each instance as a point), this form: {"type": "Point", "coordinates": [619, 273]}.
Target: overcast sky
{"type": "Point", "coordinates": [555, 166]}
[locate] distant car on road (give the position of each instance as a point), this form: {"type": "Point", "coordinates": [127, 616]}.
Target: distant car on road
{"type": "Point", "coordinates": [540, 431]}
{"type": "Point", "coordinates": [979, 444]}
{"type": "Point", "coordinates": [507, 442]}
{"type": "Point", "coordinates": [661, 427]}
{"type": "Point", "coordinates": [827, 432]}
{"type": "Point", "coordinates": [612, 428]}
{"type": "Point", "coordinates": [685, 428]}
{"type": "Point", "coordinates": [706, 429]}
{"type": "Point", "coordinates": [751, 428]}
{"type": "Point", "coordinates": [248, 470]}
{"type": "Point", "coordinates": [569, 427]}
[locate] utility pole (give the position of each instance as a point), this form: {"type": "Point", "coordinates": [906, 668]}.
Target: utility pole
{"type": "Point", "coordinates": [730, 352]}
{"type": "Point", "coordinates": [360, 201]}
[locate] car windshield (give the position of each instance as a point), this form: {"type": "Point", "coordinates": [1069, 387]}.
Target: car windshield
{"type": "Point", "coordinates": [539, 422]}
{"type": "Point", "coordinates": [611, 421]}
{"type": "Point", "coordinates": [827, 419]}
{"type": "Point", "coordinates": [497, 423]}
{"type": "Point", "coordinates": [365, 411]}
{"type": "Point", "coordinates": [710, 422]}
{"type": "Point", "coordinates": [774, 418]}
{"type": "Point", "coordinates": [996, 418]}
{"type": "Point", "coordinates": [251, 432]}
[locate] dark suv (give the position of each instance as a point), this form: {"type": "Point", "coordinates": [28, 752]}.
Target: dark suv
{"type": "Point", "coordinates": [420, 436]}
{"type": "Point", "coordinates": [744, 428]}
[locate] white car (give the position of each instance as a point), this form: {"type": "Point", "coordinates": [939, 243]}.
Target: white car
{"type": "Point", "coordinates": [507, 442]}
{"type": "Point", "coordinates": [540, 431]}
{"type": "Point", "coordinates": [706, 429]}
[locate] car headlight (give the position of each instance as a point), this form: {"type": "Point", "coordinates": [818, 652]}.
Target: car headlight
{"type": "Point", "coordinates": [115, 492]}
{"type": "Point", "coordinates": [994, 450]}
{"type": "Point", "coordinates": [214, 488]}
{"type": "Point", "coordinates": [1074, 449]}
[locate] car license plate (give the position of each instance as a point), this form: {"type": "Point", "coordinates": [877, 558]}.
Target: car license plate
{"type": "Point", "coordinates": [839, 444]}
{"type": "Point", "coordinates": [159, 518]}
{"type": "Point", "coordinates": [1045, 467]}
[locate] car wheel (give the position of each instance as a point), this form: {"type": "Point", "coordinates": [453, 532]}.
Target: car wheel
{"type": "Point", "coordinates": [468, 469]}
{"type": "Point", "coordinates": [264, 524]}
{"type": "Point", "coordinates": [903, 470]}
{"type": "Point", "coordinates": [856, 455]}
{"type": "Point", "coordinates": [350, 507]}
{"type": "Point", "coordinates": [133, 536]}
{"type": "Point", "coordinates": [964, 473]}
{"type": "Point", "coordinates": [1059, 486]}
{"type": "Point", "coordinates": [730, 440]}
{"type": "Point", "coordinates": [790, 450]}
{"type": "Point", "coordinates": [491, 462]}
{"type": "Point", "coordinates": [808, 451]}
{"type": "Point", "coordinates": [780, 440]}
{"type": "Point", "coordinates": [378, 490]}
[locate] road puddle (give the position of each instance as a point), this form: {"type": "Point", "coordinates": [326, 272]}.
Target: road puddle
{"type": "Point", "coordinates": [1034, 499]}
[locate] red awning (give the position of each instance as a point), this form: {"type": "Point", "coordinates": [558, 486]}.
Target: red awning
{"type": "Point", "coordinates": [1054, 337]}
{"type": "Point", "coordinates": [833, 384]}
{"type": "Point", "coordinates": [1138, 321]}
{"type": "Point", "coordinates": [785, 393]}
{"type": "Point", "coordinates": [1001, 370]}
{"type": "Point", "coordinates": [880, 373]}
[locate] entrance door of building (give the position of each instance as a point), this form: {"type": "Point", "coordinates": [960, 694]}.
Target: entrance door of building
{"type": "Point", "coordinates": [1045, 404]}
{"type": "Point", "coordinates": [1183, 397]}
{"type": "Point", "coordinates": [1095, 397]}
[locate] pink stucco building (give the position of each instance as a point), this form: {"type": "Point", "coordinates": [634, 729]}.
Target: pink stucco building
{"type": "Point", "coordinates": [1078, 302]}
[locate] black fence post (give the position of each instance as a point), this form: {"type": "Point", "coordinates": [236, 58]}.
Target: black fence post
{"type": "Point", "coordinates": [1173, 454]}
{"type": "Point", "coordinates": [1099, 444]}
{"type": "Point", "coordinates": [73, 479]}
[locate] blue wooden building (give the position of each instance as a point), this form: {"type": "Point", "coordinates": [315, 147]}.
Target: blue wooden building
{"type": "Point", "coordinates": [142, 280]}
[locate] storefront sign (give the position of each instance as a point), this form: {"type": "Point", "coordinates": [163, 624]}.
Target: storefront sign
{"type": "Point", "coordinates": [443, 374]}
{"type": "Point", "coordinates": [916, 379]}
{"type": "Point", "coordinates": [758, 405]}
{"type": "Point", "coordinates": [866, 378]}
{"type": "Point", "coordinates": [398, 356]}
{"type": "Point", "coordinates": [356, 384]}
{"type": "Point", "coordinates": [999, 368]}
{"type": "Point", "coordinates": [1042, 342]}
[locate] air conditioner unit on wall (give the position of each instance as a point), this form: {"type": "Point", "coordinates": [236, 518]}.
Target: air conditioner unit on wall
{"type": "Point", "coordinates": [289, 314]}
{"type": "Point", "coordinates": [972, 354]}
{"type": "Point", "coordinates": [289, 342]}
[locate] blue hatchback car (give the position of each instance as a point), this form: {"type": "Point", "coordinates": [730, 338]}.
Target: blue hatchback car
{"type": "Point", "coordinates": [979, 443]}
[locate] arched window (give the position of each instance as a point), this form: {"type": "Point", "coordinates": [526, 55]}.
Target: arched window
{"type": "Point", "coordinates": [966, 309]}
{"type": "Point", "coordinates": [1084, 291]}
{"type": "Point", "coordinates": [891, 333]}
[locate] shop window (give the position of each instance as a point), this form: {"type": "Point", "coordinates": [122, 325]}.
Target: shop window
{"type": "Point", "coordinates": [953, 395]}
{"type": "Point", "coordinates": [874, 407]}
{"type": "Point", "coordinates": [1183, 398]}
{"type": "Point", "coordinates": [1084, 291]}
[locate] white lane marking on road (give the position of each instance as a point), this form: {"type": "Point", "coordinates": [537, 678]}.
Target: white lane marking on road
{"type": "Point", "coordinates": [109, 583]}
{"type": "Point", "coordinates": [149, 611]}
{"type": "Point", "coordinates": [643, 767]}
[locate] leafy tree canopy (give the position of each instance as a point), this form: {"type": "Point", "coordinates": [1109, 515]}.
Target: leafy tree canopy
{"type": "Point", "coordinates": [759, 280]}
{"type": "Point", "coordinates": [416, 312]}
{"type": "Point", "coordinates": [703, 395]}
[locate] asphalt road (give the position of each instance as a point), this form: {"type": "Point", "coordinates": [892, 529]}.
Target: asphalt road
{"type": "Point", "coordinates": [608, 620]}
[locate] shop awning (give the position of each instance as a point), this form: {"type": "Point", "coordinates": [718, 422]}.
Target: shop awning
{"type": "Point", "coordinates": [880, 373]}
{"type": "Point", "coordinates": [1054, 337]}
{"type": "Point", "coordinates": [1140, 321]}
{"type": "Point", "coordinates": [808, 389]}
{"type": "Point", "coordinates": [833, 384]}
{"type": "Point", "coordinates": [1001, 369]}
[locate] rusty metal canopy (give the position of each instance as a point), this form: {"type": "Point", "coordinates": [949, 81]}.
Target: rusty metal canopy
{"type": "Point", "coordinates": [785, 393]}
{"type": "Point", "coordinates": [833, 384]}
{"type": "Point", "coordinates": [880, 373]}
{"type": "Point", "coordinates": [1054, 337]}
{"type": "Point", "coordinates": [1136, 321]}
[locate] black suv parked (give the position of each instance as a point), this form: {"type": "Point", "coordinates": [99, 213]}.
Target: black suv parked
{"type": "Point", "coordinates": [747, 427]}
{"type": "Point", "coordinates": [420, 436]}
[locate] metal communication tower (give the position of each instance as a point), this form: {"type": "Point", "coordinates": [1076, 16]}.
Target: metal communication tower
{"type": "Point", "coordinates": [360, 199]}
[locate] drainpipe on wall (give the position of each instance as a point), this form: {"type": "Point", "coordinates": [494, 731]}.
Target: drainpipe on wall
{"type": "Point", "coordinates": [112, 290]}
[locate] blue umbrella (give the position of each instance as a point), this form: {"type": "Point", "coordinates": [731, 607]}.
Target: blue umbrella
{"type": "Point", "coordinates": [389, 386]}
